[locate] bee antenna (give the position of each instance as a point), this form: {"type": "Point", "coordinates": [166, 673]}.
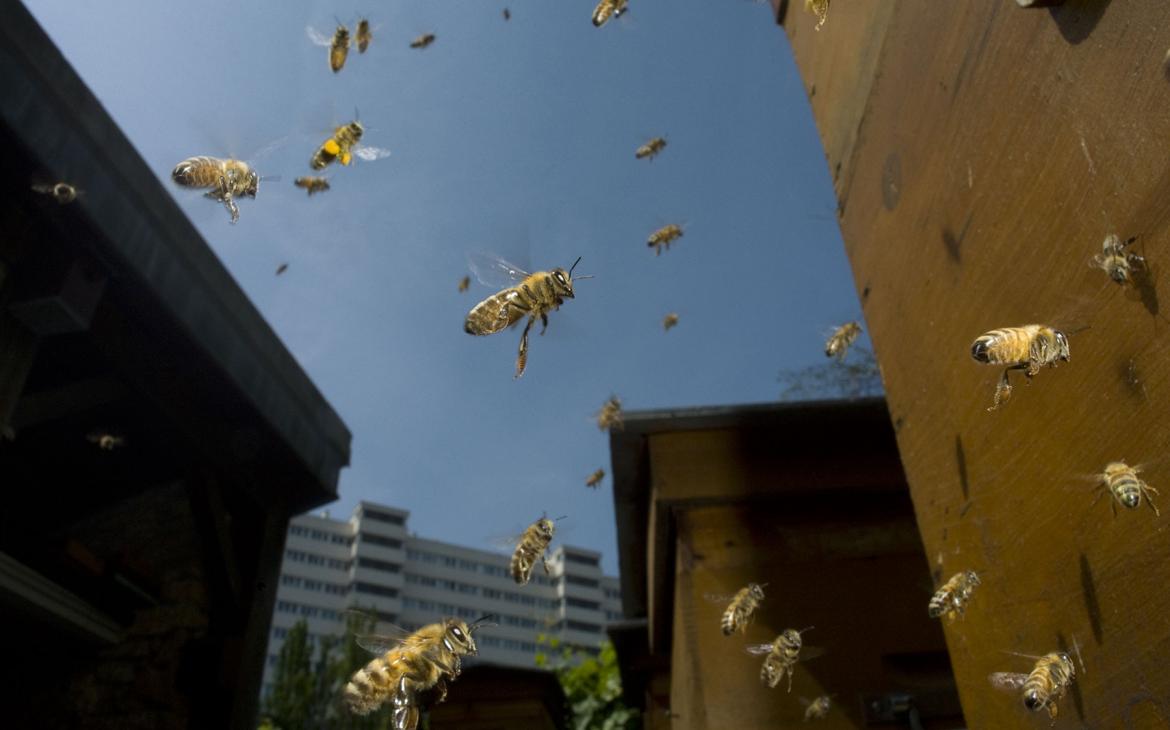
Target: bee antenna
{"type": "Point", "coordinates": [562, 517]}
{"type": "Point", "coordinates": [485, 620]}
{"type": "Point", "coordinates": [574, 266]}
{"type": "Point", "coordinates": [806, 628]}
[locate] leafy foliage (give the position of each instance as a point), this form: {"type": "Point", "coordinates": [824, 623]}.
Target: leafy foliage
{"type": "Point", "coordinates": [858, 376]}
{"type": "Point", "coordinates": [592, 685]}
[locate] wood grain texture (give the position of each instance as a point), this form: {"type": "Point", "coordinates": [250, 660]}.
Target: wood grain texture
{"type": "Point", "coordinates": [991, 154]}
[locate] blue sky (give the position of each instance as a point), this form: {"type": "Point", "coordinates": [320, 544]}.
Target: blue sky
{"type": "Point", "coordinates": [515, 138]}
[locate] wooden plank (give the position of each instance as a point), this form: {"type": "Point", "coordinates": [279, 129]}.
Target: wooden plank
{"type": "Point", "coordinates": [997, 149]}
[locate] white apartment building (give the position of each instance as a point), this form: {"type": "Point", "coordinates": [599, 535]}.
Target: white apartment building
{"type": "Point", "coordinates": [371, 562]}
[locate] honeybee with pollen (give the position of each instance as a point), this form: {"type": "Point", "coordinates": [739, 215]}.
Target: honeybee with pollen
{"type": "Point", "coordinates": [423, 40]}
{"type": "Point", "coordinates": [651, 149]}
{"type": "Point", "coordinates": [464, 283]}
{"type": "Point", "coordinates": [532, 295]}
{"type": "Point", "coordinates": [364, 35]}
{"type": "Point", "coordinates": [663, 237]}
{"type": "Point", "coordinates": [780, 657]}
{"type": "Point", "coordinates": [817, 709]}
{"type": "Point", "coordinates": [62, 192]}
{"type": "Point", "coordinates": [819, 8]}
{"type": "Point", "coordinates": [669, 321]}
{"type": "Point", "coordinates": [531, 548]}
{"type": "Point", "coordinates": [838, 343]}
{"type": "Point", "coordinates": [1043, 687]}
{"type": "Point", "coordinates": [950, 600]}
{"type": "Point", "coordinates": [607, 9]}
{"type": "Point", "coordinates": [312, 184]}
{"type": "Point", "coordinates": [1128, 489]}
{"type": "Point", "coordinates": [1121, 265]}
{"type": "Point", "coordinates": [343, 145]}
{"type": "Point", "coordinates": [610, 415]}
{"type": "Point", "coordinates": [595, 478]}
{"type": "Point", "coordinates": [227, 179]}
{"type": "Point", "coordinates": [740, 607]}
{"type": "Point", "coordinates": [1026, 348]}
{"type": "Point", "coordinates": [410, 664]}
{"type": "Point", "coordinates": [338, 44]}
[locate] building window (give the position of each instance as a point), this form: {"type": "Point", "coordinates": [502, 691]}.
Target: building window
{"type": "Point", "coordinates": [379, 540]}
{"type": "Point", "coordinates": [369, 514]}
{"type": "Point", "coordinates": [582, 626]}
{"type": "Point", "coordinates": [376, 590]}
{"type": "Point", "coordinates": [583, 559]}
{"type": "Point", "coordinates": [378, 565]}
{"type": "Point", "coordinates": [279, 632]}
{"type": "Point", "coordinates": [578, 581]}
{"type": "Point", "coordinates": [578, 603]}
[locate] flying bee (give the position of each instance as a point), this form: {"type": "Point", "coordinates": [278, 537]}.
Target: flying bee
{"type": "Point", "coordinates": [1114, 260]}
{"type": "Point", "coordinates": [663, 236]}
{"type": "Point", "coordinates": [282, 268]}
{"type": "Point", "coordinates": [818, 709]}
{"type": "Point", "coordinates": [669, 321]}
{"type": "Point", "coordinates": [408, 665]}
{"type": "Point", "coordinates": [530, 549]}
{"type": "Point", "coordinates": [610, 415]}
{"type": "Point", "coordinates": [338, 44]}
{"type": "Point", "coordinates": [780, 657]}
{"type": "Point", "coordinates": [607, 9]}
{"type": "Point", "coordinates": [595, 478]}
{"type": "Point", "coordinates": [1043, 687]}
{"type": "Point", "coordinates": [423, 40]}
{"type": "Point", "coordinates": [312, 184]}
{"type": "Point", "coordinates": [507, 14]}
{"type": "Point", "coordinates": [819, 8]}
{"type": "Point", "coordinates": [534, 295]}
{"type": "Point", "coordinates": [343, 145]}
{"type": "Point", "coordinates": [651, 149]}
{"type": "Point", "coordinates": [228, 179]}
{"type": "Point", "coordinates": [464, 283]}
{"type": "Point", "coordinates": [740, 607]}
{"type": "Point", "coordinates": [105, 440]}
{"type": "Point", "coordinates": [1026, 348]}
{"type": "Point", "coordinates": [363, 36]}
{"type": "Point", "coordinates": [838, 343]}
{"type": "Point", "coordinates": [62, 192]}
{"type": "Point", "coordinates": [1122, 481]}
{"type": "Point", "coordinates": [951, 599]}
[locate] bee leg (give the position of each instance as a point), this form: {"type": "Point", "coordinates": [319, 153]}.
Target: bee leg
{"type": "Point", "coordinates": [545, 564]}
{"type": "Point", "coordinates": [441, 686]}
{"type": "Point", "coordinates": [522, 356]}
{"type": "Point", "coordinates": [1147, 489]}
{"type": "Point", "coordinates": [1003, 391]}
{"type": "Point", "coordinates": [543, 323]}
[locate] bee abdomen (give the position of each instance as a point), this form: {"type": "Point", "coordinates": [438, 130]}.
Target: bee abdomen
{"type": "Point", "coordinates": [197, 172]}
{"type": "Point", "coordinates": [370, 686]}
{"type": "Point", "coordinates": [730, 621]}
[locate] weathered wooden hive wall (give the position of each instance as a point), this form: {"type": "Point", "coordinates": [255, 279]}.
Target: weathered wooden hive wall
{"type": "Point", "coordinates": [981, 152]}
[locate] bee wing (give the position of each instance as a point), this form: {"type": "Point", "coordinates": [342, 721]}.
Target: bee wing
{"type": "Point", "coordinates": [723, 598]}
{"type": "Point", "coordinates": [381, 643]}
{"type": "Point", "coordinates": [494, 271]}
{"type": "Point", "coordinates": [758, 649]}
{"type": "Point", "coordinates": [1007, 681]}
{"type": "Point", "coordinates": [369, 154]}
{"type": "Point", "coordinates": [317, 37]}
{"type": "Point", "coordinates": [811, 652]}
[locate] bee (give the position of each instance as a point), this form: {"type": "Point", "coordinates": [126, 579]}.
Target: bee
{"type": "Point", "coordinates": [312, 184]}
{"type": "Point", "coordinates": [838, 343]}
{"type": "Point", "coordinates": [62, 192]}
{"type": "Point", "coordinates": [531, 547]}
{"type": "Point", "coordinates": [1123, 482]}
{"type": "Point", "coordinates": [663, 236]}
{"type": "Point", "coordinates": [819, 8]}
{"type": "Point", "coordinates": [343, 145]}
{"type": "Point", "coordinates": [464, 283]}
{"type": "Point", "coordinates": [534, 295]}
{"type": "Point", "coordinates": [780, 657]}
{"type": "Point", "coordinates": [507, 14]}
{"type": "Point", "coordinates": [951, 599]}
{"type": "Point", "coordinates": [818, 709]}
{"type": "Point", "coordinates": [669, 321]}
{"type": "Point", "coordinates": [595, 478]}
{"type": "Point", "coordinates": [607, 9]}
{"type": "Point", "coordinates": [740, 608]}
{"type": "Point", "coordinates": [106, 441]}
{"type": "Point", "coordinates": [651, 149]}
{"type": "Point", "coordinates": [338, 45]}
{"type": "Point", "coordinates": [1043, 687]}
{"type": "Point", "coordinates": [1114, 260]}
{"type": "Point", "coordinates": [363, 36]}
{"type": "Point", "coordinates": [1026, 348]}
{"type": "Point", "coordinates": [409, 665]}
{"type": "Point", "coordinates": [423, 40]}
{"type": "Point", "coordinates": [281, 269]}
{"type": "Point", "coordinates": [228, 179]}
{"type": "Point", "coordinates": [610, 415]}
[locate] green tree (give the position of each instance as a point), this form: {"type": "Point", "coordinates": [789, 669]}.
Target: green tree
{"type": "Point", "coordinates": [290, 704]}
{"type": "Point", "coordinates": [592, 685]}
{"type": "Point", "coordinates": [349, 658]}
